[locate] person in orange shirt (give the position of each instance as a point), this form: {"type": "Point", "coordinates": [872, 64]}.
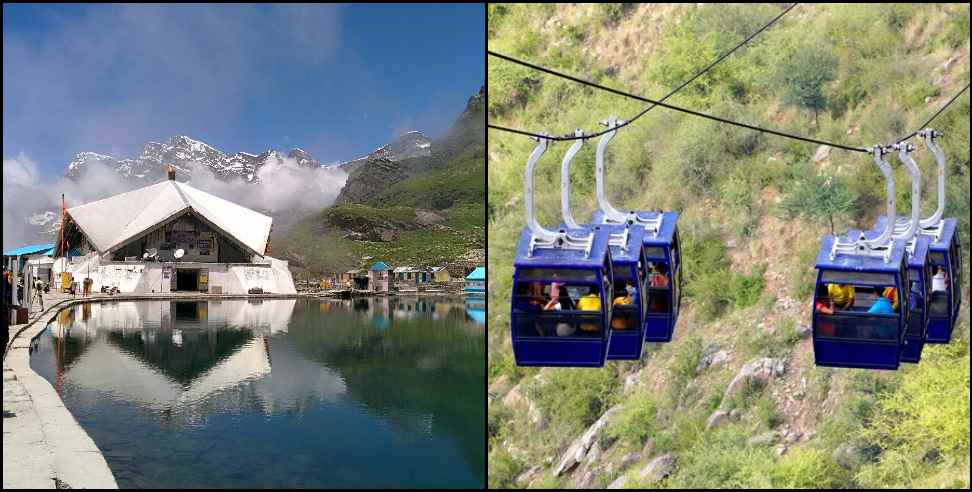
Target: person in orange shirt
{"type": "Point", "coordinates": [825, 305]}
{"type": "Point", "coordinates": [891, 293]}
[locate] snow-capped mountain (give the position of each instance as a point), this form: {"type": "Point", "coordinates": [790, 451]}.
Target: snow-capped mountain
{"type": "Point", "coordinates": [190, 156]}
{"type": "Point", "coordinates": [406, 146]}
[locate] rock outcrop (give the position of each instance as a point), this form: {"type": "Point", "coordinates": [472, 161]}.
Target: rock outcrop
{"type": "Point", "coordinates": [577, 451]}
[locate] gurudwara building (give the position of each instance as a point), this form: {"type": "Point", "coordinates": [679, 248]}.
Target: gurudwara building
{"type": "Point", "coordinates": [170, 237]}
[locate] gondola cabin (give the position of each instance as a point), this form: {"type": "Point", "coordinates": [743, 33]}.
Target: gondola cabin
{"type": "Point", "coordinates": [945, 257]}
{"type": "Point", "coordinates": [855, 322]}
{"type": "Point", "coordinates": [628, 309]}
{"type": "Point", "coordinates": [919, 278]}
{"type": "Point", "coordinates": [945, 253]}
{"type": "Point", "coordinates": [560, 314]}
{"type": "Point", "coordinates": [663, 272]}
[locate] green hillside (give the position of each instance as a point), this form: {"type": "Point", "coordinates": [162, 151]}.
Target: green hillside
{"type": "Point", "coordinates": [435, 216]}
{"type": "Point", "coordinates": [753, 208]}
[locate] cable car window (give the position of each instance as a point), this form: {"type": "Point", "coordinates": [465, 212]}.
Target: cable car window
{"type": "Point", "coordinates": [856, 278]}
{"type": "Point", "coordinates": [938, 305]}
{"type": "Point", "coordinates": [659, 301]}
{"type": "Point", "coordinates": [574, 311]}
{"type": "Point", "coordinates": [540, 297]}
{"type": "Point", "coordinates": [625, 273]}
{"type": "Point", "coordinates": [938, 258]}
{"type": "Point", "coordinates": [655, 252]}
{"type": "Point", "coordinates": [549, 274]}
{"type": "Point", "coordinates": [857, 299]}
{"type": "Point", "coordinates": [561, 325]}
{"type": "Point", "coordinates": [625, 303]}
{"type": "Point", "coordinates": [857, 327]}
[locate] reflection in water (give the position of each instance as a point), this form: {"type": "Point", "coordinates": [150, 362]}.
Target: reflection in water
{"type": "Point", "coordinates": [383, 391]}
{"type": "Point", "coordinates": [476, 309]}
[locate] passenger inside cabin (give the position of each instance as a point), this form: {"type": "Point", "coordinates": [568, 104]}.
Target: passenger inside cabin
{"type": "Point", "coordinates": [916, 298]}
{"type": "Point", "coordinates": [559, 298]}
{"type": "Point", "coordinates": [621, 319]}
{"type": "Point", "coordinates": [659, 276]}
{"type": "Point", "coordinates": [940, 280]}
{"type": "Point", "coordinates": [627, 297]}
{"type": "Point", "coordinates": [590, 302]}
{"type": "Point", "coordinates": [825, 305]}
{"type": "Point", "coordinates": [891, 294]}
{"type": "Point", "coordinates": [533, 302]}
{"type": "Point", "coordinates": [842, 295]}
{"type": "Point", "coordinates": [882, 305]}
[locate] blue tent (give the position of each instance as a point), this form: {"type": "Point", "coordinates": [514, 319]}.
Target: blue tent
{"type": "Point", "coordinates": [380, 267]}
{"type": "Point", "coordinates": [478, 274]}
{"type": "Point", "coordinates": [31, 250]}
{"type": "Point", "coordinates": [476, 282]}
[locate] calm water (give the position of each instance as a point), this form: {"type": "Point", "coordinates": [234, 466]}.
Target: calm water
{"type": "Point", "coordinates": [276, 393]}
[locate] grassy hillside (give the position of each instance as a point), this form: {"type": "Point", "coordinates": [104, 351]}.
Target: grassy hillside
{"type": "Point", "coordinates": [751, 226]}
{"type": "Point", "coordinates": [436, 216]}
{"type": "Point", "coordinates": [432, 219]}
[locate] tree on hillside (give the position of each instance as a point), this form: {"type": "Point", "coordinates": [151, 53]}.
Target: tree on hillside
{"type": "Point", "coordinates": [820, 198]}
{"type": "Point", "coordinates": [803, 76]}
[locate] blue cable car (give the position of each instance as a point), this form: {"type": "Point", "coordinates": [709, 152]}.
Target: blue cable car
{"type": "Point", "coordinates": [946, 297]}
{"type": "Point", "coordinates": [663, 270]}
{"type": "Point", "coordinates": [560, 308]}
{"type": "Point", "coordinates": [919, 277]}
{"type": "Point", "coordinates": [628, 262]}
{"type": "Point", "coordinates": [944, 255]}
{"type": "Point", "coordinates": [854, 334]}
{"type": "Point", "coordinates": [566, 334]}
{"type": "Point", "coordinates": [919, 266]}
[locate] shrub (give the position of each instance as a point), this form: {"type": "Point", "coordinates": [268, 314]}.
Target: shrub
{"type": "Point", "coordinates": [751, 390]}
{"type": "Point", "coordinates": [819, 199]}
{"type": "Point", "coordinates": [803, 75]}
{"type": "Point", "coordinates": [686, 360]}
{"type": "Point", "coordinates": [769, 414]}
{"type": "Point", "coordinates": [503, 469]}
{"type": "Point", "coordinates": [576, 398]}
{"type": "Point", "coordinates": [721, 459]}
{"type": "Point", "coordinates": [635, 421]}
{"type": "Point", "coordinates": [510, 85]}
{"type": "Point", "coordinates": [808, 468]}
{"type": "Point", "coordinates": [929, 411]}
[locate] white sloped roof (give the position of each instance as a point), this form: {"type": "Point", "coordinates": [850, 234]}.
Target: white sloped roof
{"type": "Point", "coordinates": [111, 221]}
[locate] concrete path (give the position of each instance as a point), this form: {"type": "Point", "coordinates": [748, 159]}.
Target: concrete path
{"type": "Point", "coordinates": [43, 446]}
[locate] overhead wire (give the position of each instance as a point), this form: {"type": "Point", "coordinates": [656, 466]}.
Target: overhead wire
{"type": "Point", "coordinates": [655, 103]}
{"type": "Point", "coordinates": [627, 122]}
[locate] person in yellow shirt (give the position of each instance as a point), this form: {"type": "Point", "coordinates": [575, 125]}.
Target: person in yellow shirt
{"type": "Point", "coordinates": [623, 322]}
{"type": "Point", "coordinates": [590, 302]}
{"type": "Point", "coordinates": [843, 295]}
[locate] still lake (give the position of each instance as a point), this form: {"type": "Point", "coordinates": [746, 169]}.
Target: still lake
{"type": "Point", "coordinates": [379, 392]}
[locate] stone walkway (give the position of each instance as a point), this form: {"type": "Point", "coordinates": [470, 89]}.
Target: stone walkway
{"type": "Point", "coordinates": [43, 446]}
{"type": "Point", "coordinates": [27, 462]}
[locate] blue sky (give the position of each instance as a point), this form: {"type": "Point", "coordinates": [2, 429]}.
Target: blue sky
{"type": "Point", "coordinates": [335, 80]}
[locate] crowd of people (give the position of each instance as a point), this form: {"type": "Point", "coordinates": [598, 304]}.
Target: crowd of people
{"type": "Point", "coordinates": [587, 298]}
{"type": "Point", "coordinates": [841, 297]}
{"type": "Point", "coordinates": [835, 298]}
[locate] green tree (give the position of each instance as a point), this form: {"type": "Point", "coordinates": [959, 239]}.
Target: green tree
{"type": "Point", "coordinates": [803, 75]}
{"type": "Point", "coordinates": [820, 198]}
